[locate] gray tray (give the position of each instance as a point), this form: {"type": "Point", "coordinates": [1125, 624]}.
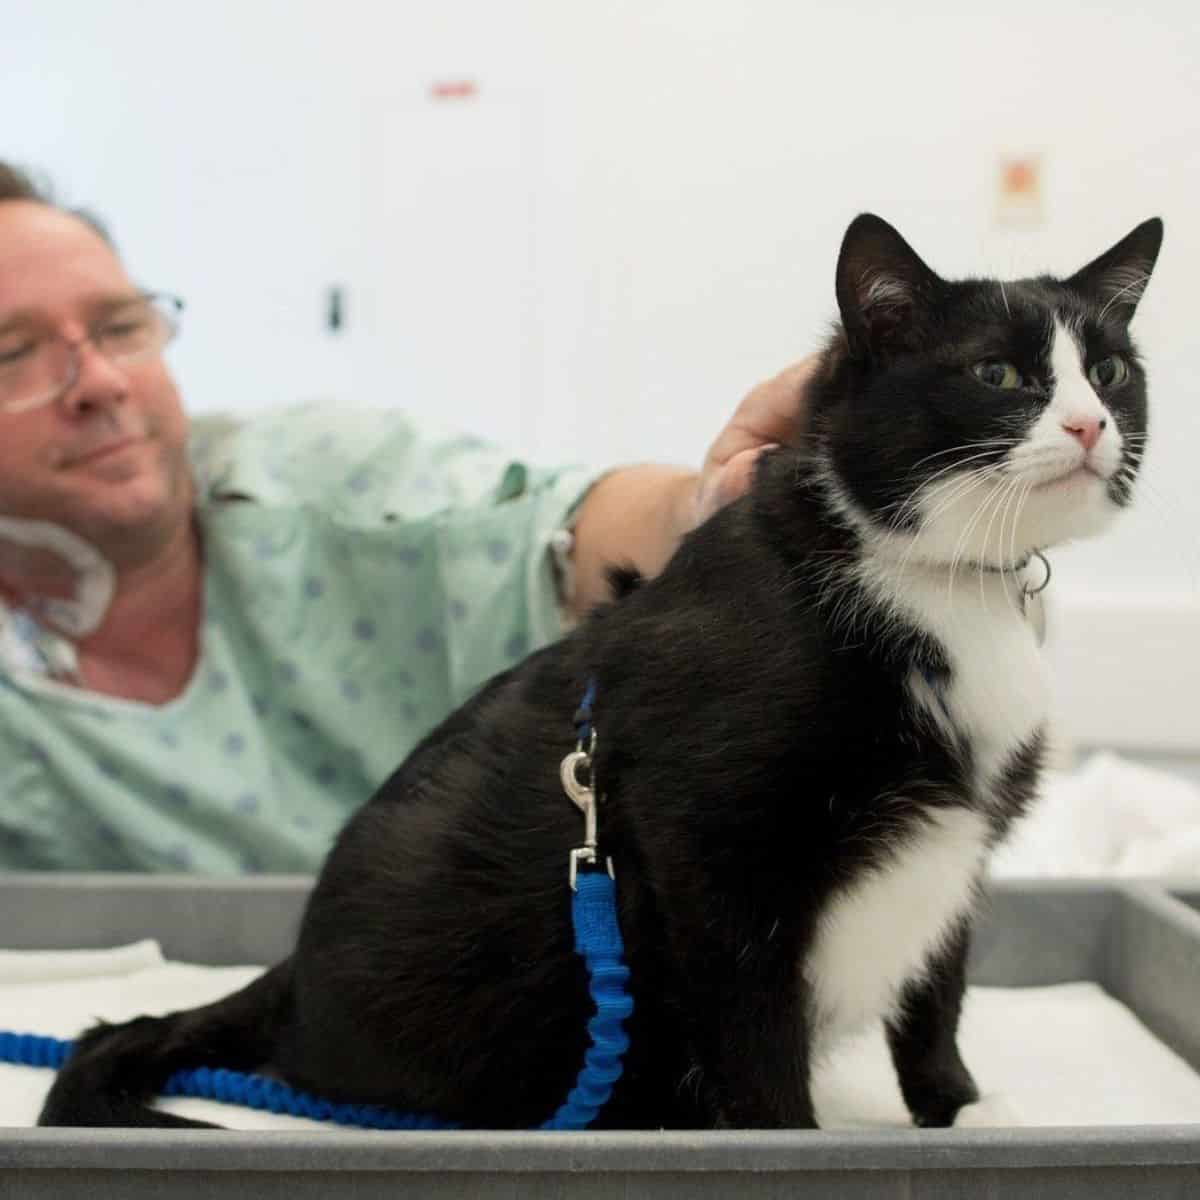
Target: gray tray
{"type": "Point", "coordinates": [1140, 941]}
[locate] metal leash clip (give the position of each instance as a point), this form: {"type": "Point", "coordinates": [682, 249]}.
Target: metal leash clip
{"type": "Point", "coordinates": [583, 796]}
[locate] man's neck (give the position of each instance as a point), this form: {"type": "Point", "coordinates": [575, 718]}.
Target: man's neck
{"type": "Point", "coordinates": [147, 646]}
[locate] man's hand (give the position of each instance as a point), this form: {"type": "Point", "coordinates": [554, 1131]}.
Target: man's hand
{"type": "Point", "coordinates": [770, 415]}
{"type": "Point", "coordinates": [638, 515]}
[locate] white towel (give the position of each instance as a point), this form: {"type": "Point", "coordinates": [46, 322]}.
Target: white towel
{"type": "Point", "coordinates": [43, 966]}
{"type": "Point", "coordinates": [1110, 817]}
{"type": "Point", "coordinates": [1066, 1055]}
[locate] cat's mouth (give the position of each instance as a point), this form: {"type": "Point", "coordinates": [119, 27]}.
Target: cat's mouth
{"type": "Point", "coordinates": [1073, 476]}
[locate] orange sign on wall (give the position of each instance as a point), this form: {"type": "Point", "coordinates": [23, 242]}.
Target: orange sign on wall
{"type": "Point", "coordinates": [453, 89]}
{"type": "Point", "coordinates": [1019, 201]}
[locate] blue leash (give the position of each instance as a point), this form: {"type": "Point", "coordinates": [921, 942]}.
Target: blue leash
{"type": "Point", "coordinates": [597, 941]}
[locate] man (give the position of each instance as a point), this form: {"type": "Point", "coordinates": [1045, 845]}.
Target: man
{"type": "Point", "coordinates": [214, 646]}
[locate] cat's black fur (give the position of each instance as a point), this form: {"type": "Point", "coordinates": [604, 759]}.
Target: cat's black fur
{"type": "Point", "coordinates": [759, 752]}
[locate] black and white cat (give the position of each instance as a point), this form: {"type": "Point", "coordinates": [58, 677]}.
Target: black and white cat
{"type": "Point", "coordinates": [813, 727]}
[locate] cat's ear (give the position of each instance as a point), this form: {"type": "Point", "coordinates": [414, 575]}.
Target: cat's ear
{"type": "Point", "coordinates": [1115, 281]}
{"type": "Point", "coordinates": [881, 282]}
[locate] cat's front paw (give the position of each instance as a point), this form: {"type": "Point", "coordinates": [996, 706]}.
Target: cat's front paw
{"type": "Point", "coordinates": [934, 1103]}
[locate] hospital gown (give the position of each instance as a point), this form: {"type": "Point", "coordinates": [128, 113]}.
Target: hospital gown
{"type": "Point", "coordinates": [362, 578]}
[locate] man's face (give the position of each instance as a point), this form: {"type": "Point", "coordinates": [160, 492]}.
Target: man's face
{"type": "Point", "coordinates": [107, 459]}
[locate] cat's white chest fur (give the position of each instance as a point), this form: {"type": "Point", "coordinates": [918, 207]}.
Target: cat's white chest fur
{"type": "Point", "coordinates": [880, 932]}
{"type": "Point", "coordinates": [997, 696]}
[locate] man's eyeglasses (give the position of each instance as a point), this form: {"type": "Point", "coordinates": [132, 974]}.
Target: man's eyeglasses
{"type": "Point", "coordinates": [36, 369]}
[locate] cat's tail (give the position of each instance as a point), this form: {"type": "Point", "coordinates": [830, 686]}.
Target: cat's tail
{"type": "Point", "coordinates": [115, 1070]}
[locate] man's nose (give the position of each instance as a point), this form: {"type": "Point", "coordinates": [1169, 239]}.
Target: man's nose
{"type": "Point", "coordinates": [98, 380]}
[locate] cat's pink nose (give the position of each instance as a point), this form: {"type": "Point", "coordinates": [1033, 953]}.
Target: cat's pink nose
{"type": "Point", "coordinates": [1086, 429]}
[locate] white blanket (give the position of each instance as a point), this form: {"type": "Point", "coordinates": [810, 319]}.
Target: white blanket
{"type": "Point", "coordinates": [1112, 816]}
{"type": "Point", "coordinates": [1042, 1056]}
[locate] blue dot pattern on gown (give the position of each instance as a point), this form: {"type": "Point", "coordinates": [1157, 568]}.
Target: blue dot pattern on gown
{"type": "Point", "coordinates": [368, 577]}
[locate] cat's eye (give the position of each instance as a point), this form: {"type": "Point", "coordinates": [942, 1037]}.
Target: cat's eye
{"type": "Point", "coordinates": [1109, 372]}
{"type": "Point", "coordinates": [998, 374]}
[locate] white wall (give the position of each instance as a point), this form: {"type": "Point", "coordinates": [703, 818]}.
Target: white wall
{"type": "Point", "coordinates": [253, 154]}
{"type": "Point", "coordinates": [636, 219]}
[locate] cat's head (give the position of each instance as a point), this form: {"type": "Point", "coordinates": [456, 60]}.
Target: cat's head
{"type": "Point", "coordinates": [978, 420]}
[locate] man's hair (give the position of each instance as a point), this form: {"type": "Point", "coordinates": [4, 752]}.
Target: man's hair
{"type": "Point", "coordinates": [17, 184]}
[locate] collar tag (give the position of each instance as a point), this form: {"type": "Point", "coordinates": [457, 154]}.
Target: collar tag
{"type": "Point", "coordinates": [1035, 614]}
{"type": "Point", "coordinates": [1033, 607]}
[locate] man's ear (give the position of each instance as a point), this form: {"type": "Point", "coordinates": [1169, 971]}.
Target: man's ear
{"type": "Point", "coordinates": [881, 283]}
{"type": "Point", "coordinates": [1115, 282]}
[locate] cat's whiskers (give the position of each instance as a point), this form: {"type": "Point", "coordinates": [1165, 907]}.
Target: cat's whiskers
{"type": "Point", "coordinates": [913, 500]}
{"type": "Point", "coordinates": [1012, 508]}
{"type": "Point", "coordinates": [952, 493]}
{"type": "Point", "coordinates": [852, 602]}
{"type": "Point", "coordinates": [1036, 460]}
{"type": "Point", "coordinates": [1020, 505]}
{"type": "Point", "coordinates": [987, 442]}
{"type": "Point", "coordinates": [1020, 496]}
{"type": "Point", "coordinates": [1005, 494]}
{"type": "Point", "coordinates": [943, 496]}
{"type": "Point", "coordinates": [960, 548]}
{"type": "Point", "coordinates": [990, 502]}
{"type": "Point", "coordinates": [955, 490]}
